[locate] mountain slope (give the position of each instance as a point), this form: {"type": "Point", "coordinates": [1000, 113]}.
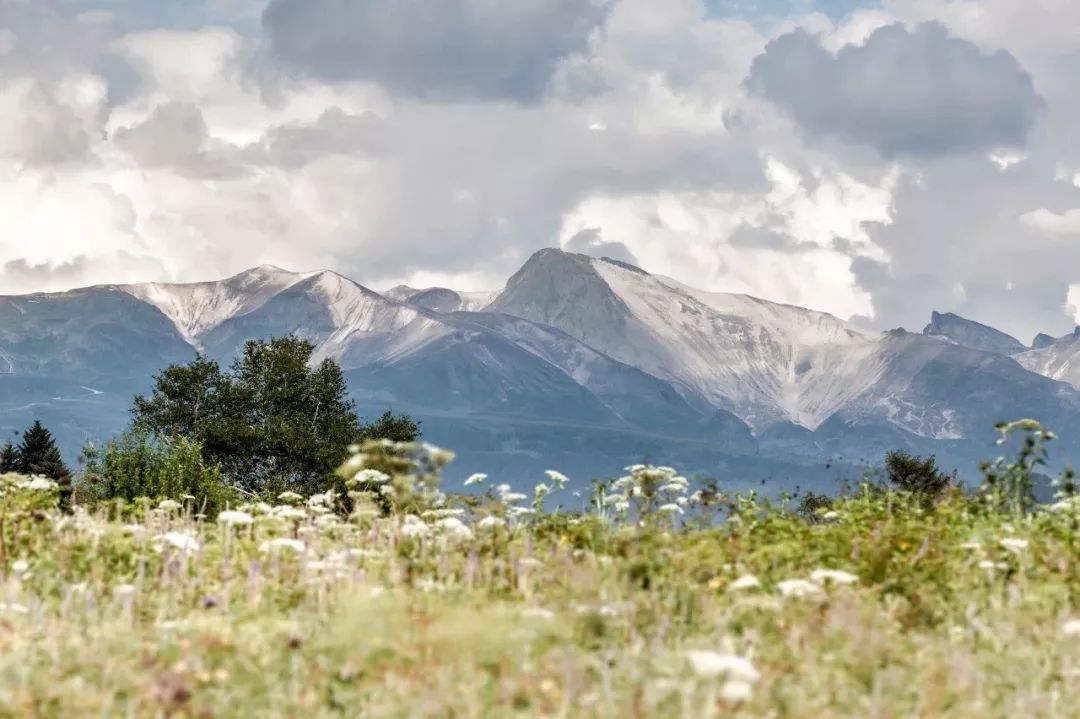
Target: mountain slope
{"type": "Point", "coordinates": [1058, 360]}
{"type": "Point", "coordinates": [197, 308]}
{"type": "Point", "coordinates": [974, 335]}
{"type": "Point", "coordinates": [762, 361]}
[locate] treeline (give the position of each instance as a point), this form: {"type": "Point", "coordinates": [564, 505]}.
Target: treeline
{"type": "Point", "coordinates": [272, 421]}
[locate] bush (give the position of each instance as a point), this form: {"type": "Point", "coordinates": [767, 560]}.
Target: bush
{"type": "Point", "coordinates": [136, 465]}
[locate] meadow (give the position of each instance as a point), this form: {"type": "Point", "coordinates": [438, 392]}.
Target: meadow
{"type": "Point", "coordinates": [389, 598]}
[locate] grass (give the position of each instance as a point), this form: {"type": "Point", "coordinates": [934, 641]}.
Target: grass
{"type": "Point", "coordinates": [500, 609]}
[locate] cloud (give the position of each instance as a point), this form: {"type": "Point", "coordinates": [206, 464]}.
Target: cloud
{"type": "Point", "coordinates": [590, 241]}
{"type": "Point", "coordinates": [451, 49]}
{"type": "Point", "coordinates": [904, 92]}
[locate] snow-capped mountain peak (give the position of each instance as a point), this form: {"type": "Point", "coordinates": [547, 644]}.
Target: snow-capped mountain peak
{"type": "Point", "coordinates": [198, 307]}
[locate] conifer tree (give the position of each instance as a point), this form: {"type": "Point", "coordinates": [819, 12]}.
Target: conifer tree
{"type": "Point", "coordinates": [9, 458]}
{"type": "Point", "coordinates": [39, 455]}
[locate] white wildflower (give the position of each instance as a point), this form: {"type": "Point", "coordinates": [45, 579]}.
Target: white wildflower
{"type": "Point", "coordinates": [557, 478]}
{"type": "Point", "coordinates": [124, 591]}
{"type": "Point", "coordinates": [40, 484]}
{"type": "Point", "coordinates": [800, 588]}
{"type": "Point", "coordinates": [831, 516]}
{"type": "Point", "coordinates": [832, 576]}
{"type": "Point", "coordinates": [1014, 544]}
{"type": "Point", "coordinates": [413, 526]}
{"type": "Point", "coordinates": [513, 497]}
{"type": "Point", "coordinates": [438, 455]}
{"type": "Point", "coordinates": [736, 691]}
{"type": "Point", "coordinates": [13, 608]}
{"type": "Point", "coordinates": [521, 511]}
{"type": "Point", "coordinates": [475, 479]}
{"type": "Point", "coordinates": [179, 540]}
{"type": "Point", "coordinates": [371, 476]}
{"type": "Point", "coordinates": [235, 517]}
{"type": "Point", "coordinates": [709, 664]}
{"type": "Point", "coordinates": [454, 528]}
{"type": "Point", "coordinates": [1071, 628]}
{"type": "Point", "coordinates": [169, 505]}
{"type": "Point", "coordinates": [290, 498]}
{"type": "Point", "coordinates": [670, 508]}
{"type": "Point", "coordinates": [284, 511]}
{"type": "Point", "coordinates": [490, 523]}
{"type": "Point", "coordinates": [538, 613]}
{"type": "Point", "coordinates": [20, 567]}
{"type": "Point", "coordinates": [747, 581]}
{"type": "Point", "coordinates": [972, 546]}
{"type": "Point", "coordinates": [280, 543]}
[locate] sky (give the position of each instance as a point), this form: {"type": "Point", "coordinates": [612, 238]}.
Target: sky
{"type": "Point", "coordinates": [876, 160]}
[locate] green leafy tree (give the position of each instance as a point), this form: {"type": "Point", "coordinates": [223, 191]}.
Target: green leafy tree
{"type": "Point", "coordinates": [137, 465]}
{"type": "Point", "coordinates": [918, 475]}
{"type": "Point", "coordinates": [273, 421]}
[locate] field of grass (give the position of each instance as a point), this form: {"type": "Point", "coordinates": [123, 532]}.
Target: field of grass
{"type": "Point", "coordinates": [662, 601]}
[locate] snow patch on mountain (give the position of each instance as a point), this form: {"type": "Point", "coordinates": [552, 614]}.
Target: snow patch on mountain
{"type": "Point", "coordinates": [198, 307]}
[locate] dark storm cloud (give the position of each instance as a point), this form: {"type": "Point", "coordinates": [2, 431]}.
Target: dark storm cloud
{"type": "Point", "coordinates": [447, 49]}
{"type": "Point", "coordinates": [915, 92]}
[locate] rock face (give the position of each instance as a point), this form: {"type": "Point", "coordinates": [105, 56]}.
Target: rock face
{"type": "Point", "coordinates": [971, 334]}
{"type": "Point", "coordinates": [580, 364]}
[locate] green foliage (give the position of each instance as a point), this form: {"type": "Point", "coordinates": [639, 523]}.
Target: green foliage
{"type": "Point", "coordinates": [272, 422]}
{"type": "Point", "coordinates": [921, 477]}
{"type": "Point", "coordinates": [492, 606]}
{"type": "Point", "coordinates": [1009, 483]}
{"type": "Point", "coordinates": [9, 458]}
{"type": "Point", "coordinates": [137, 465]}
{"type": "Point", "coordinates": [38, 454]}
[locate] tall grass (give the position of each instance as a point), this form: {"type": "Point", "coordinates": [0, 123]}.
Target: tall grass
{"type": "Point", "coordinates": [659, 602]}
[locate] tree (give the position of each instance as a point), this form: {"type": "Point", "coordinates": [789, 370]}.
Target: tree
{"type": "Point", "coordinates": [395, 427]}
{"type": "Point", "coordinates": [919, 476]}
{"type": "Point", "coordinates": [9, 458]}
{"type": "Point", "coordinates": [38, 455]}
{"type": "Point", "coordinates": [272, 421]}
{"type": "Point", "coordinates": [136, 465]}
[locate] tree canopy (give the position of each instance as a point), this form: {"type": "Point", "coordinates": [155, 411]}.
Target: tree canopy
{"type": "Point", "coordinates": [273, 419]}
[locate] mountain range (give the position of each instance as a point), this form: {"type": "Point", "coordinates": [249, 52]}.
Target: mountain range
{"type": "Point", "coordinates": [580, 364]}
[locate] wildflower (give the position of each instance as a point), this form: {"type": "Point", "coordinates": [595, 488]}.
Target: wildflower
{"type": "Point", "coordinates": [709, 664]}
{"type": "Point", "coordinates": [538, 613]}
{"type": "Point", "coordinates": [438, 455]}
{"type": "Point", "coordinates": [475, 479]}
{"type": "Point", "coordinates": [169, 505]}
{"type": "Point", "coordinates": [179, 540]}
{"type": "Point", "coordinates": [13, 608]}
{"type": "Point", "coordinates": [832, 576]}
{"type": "Point", "coordinates": [413, 526]}
{"type": "Point", "coordinates": [799, 588]}
{"type": "Point", "coordinates": [440, 513]}
{"type": "Point", "coordinates": [736, 691]}
{"type": "Point", "coordinates": [670, 508]}
{"type": "Point", "coordinates": [747, 581]}
{"type": "Point", "coordinates": [280, 543]}
{"type": "Point", "coordinates": [40, 484]}
{"type": "Point", "coordinates": [512, 497]}
{"type": "Point", "coordinates": [521, 511]}
{"type": "Point", "coordinates": [235, 517]}
{"type": "Point", "coordinates": [1014, 544]}
{"type": "Point", "coordinates": [1071, 628]}
{"type": "Point", "coordinates": [371, 476]}
{"type": "Point", "coordinates": [490, 523]}
{"type": "Point", "coordinates": [557, 478]}
{"type": "Point", "coordinates": [831, 516]}
{"type": "Point", "coordinates": [973, 546]}
{"type": "Point", "coordinates": [454, 528]}
{"type": "Point", "coordinates": [284, 511]}
{"type": "Point", "coordinates": [290, 497]}
{"type": "Point", "coordinates": [124, 591]}
{"type": "Point", "coordinates": [20, 567]}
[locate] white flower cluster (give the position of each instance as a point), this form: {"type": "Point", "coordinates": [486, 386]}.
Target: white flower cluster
{"type": "Point", "coordinates": [661, 488]}
{"type": "Point", "coordinates": [737, 673]}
